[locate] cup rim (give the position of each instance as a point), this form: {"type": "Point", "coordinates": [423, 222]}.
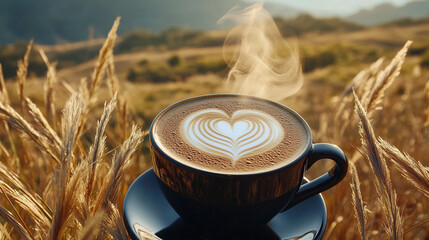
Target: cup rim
{"type": "Point", "coordinates": [300, 156]}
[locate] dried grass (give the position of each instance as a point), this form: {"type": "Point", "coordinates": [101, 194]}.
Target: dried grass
{"type": "Point", "coordinates": [114, 224]}
{"type": "Point", "coordinates": [81, 191]}
{"type": "Point", "coordinates": [91, 227]}
{"type": "Point", "coordinates": [398, 213]}
{"type": "Point", "coordinates": [4, 97]}
{"type": "Point", "coordinates": [384, 80]}
{"type": "Point", "coordinates": [49, 93]}
{"type": "Point", "coordinates": [8, 114]}
{"type": "Point", "coordinates": [105, 54]}
{"type": "Point", "coordinates": [4, 233]}
{"type": "Point", "coordinates": [113, 84]}
{"type": "Point", "coordinates": [425, 101]}
{"type": "Point", "coordinates": [25, 191]}
{"type": "Point", "coordinates": [97, 149]}
{"type": "Point", "coordinates": [27, 204]}
{"type": "Point", "coordinates": [22, 74]}
{"type": "Point", "coordinates": [387, 196]}
{"type": "Point", "coordinates": [43, 126]}
{"type": "Point", "coordinates": [411, 169]}
{"type": "Point", "coordinates": [358, 202]}
{"type": "Point", "coordinates": [66, 186]}
{"type": "Point", "coordinates": [121, 161]}
{"type": "Point", "coordinates": [8, 217]}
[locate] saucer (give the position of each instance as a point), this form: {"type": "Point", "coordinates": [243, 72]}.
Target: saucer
{"type": "Point", "coordinates": [146, 211]}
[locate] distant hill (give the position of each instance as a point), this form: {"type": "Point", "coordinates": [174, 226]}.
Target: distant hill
{"type": "Point", "coordinates": [403, 22]}
{"type": "Point", "coordinates": [282, 10]}
{"type": "Point", "coordinates": [387, 12]}
{"type": "Point", "coordinates": [305, 23]}
{"type": "Point", "coordinates": [51, 21]}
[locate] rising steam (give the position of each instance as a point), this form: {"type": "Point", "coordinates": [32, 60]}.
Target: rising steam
{"type": "Point", "coordinates": [262, 63]}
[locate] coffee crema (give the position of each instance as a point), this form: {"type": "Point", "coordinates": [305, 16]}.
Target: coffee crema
{"type": "Point", "coordinates": [230, 134]}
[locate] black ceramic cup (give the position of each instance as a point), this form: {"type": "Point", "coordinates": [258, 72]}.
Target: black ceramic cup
{"type": "Point", "coordinates": [225, 204]}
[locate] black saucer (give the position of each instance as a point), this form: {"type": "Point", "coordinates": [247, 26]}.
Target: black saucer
{"type": "Point", "coordinates": [147, 210]}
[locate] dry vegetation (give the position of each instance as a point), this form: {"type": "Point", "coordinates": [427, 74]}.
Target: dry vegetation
{"type": "Point", "coordinates": [385, 206]}
{"type": "Point", "coordinates": [58, 181]}
{"type": "Point", "coordinates": [64, 186]}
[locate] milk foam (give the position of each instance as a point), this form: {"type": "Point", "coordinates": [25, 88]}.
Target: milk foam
{"type": "Point", "coordinates": [245, 133]}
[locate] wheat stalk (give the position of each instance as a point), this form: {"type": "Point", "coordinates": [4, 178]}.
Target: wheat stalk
{"type": "Point", "coordinates": [27, 204]}
{"type": "Point", "coordinates": [8, 217]}
{"type": "Point", "coordinates": [105, 52]}
{"type": "Point", "coordinates": [49, 93]}
{"type": "Point", "coordinates": [4, 233]}
{"type": "Point", "coordinates": [360, 81]}
{"type": "Point", "coordinates": [426, 103]}
{"type": "Point", "coordinates": [22, 74]}
{"type": "Point", "coordinates": [83, 88]}
{"type": "Point", "coordinates": [113, 82]}
{"type": "Point", "coordinates": [43, 125]}
{"type": "Point", "coordinates": [18, 122]}
{"type": "Point", "coordinates": [386, 194]}
{"type": "Point", "coordinates": [411, 169]}
{"type": "Point", "coordinates": [3, 90]}
{"type": "Point", "coordinates": [72, 116]}
{"type": "Point", "coordinates": [113, 85]}
{"type": "Point", "coordinates": [115, 176]}
{"type": "Point", "coordinates": [113, 224]}
{"type": "Point", "coordinates": [5, 151]}
{"type": "Point", "coordinates": [82, 214]}
{"type": "Point", "coordinates": [384, 79]}
{"type": "Point", "coordinates": [91, 227]}
{"type": "Point", "coordinates": [26, 192]}
{"type": "Point", "coordinates": [97, 149]}
{"type": "Point", "coordinates": [358, 203]}
{"type": "Point", "coordinates": [344, 118]}
{"type": "Point", "coordinates": [4, 98]}
{"type": "Point", "coordinates": [15, 210]}
{"type": "Point", "coordinates": [366, 87]}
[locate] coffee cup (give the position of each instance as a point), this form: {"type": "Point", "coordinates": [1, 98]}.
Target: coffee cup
{"type": "Point", "coordinates": [229, 163]}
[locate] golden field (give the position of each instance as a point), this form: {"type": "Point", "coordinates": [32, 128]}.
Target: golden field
{"type": "Point", "coordinates": [65, 168]}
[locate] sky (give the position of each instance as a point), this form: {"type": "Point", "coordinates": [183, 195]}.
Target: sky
{"type": "Point", "coordinates": [339, 7]}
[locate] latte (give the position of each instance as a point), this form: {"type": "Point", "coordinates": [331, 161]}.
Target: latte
{"type": "Point", "coordinates": [230, 134]}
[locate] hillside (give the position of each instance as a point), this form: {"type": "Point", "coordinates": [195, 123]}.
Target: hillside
{"type": "Point", "coordinates": [320, 48]}
{"type": "Point", "coordinates": [387, 12]}
{"type": "Point", "coordinates": [50, 22]}
{"type": "Point", "coordinates": [305, 23]}
{"type": "Point", "coordinates": [53, 22]}
{"type": "Point", "coordinates": [70, 54]}
{"type": "Point", "coordinates": [160, 76]}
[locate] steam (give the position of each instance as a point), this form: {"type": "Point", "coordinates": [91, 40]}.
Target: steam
{"type": "Point", "coordinates": [262, 63]}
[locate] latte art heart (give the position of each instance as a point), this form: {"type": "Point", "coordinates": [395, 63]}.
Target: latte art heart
{"type": "Point", "coordinates": [243, 134]}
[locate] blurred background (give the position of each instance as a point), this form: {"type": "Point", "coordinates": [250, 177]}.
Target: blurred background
{"type": "Point", "coordinates": [53, 22]}
{"type": "Point", "coordinates": [162, 43]}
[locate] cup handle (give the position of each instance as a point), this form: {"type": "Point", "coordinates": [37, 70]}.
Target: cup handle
{"type": "Point", "coordinates": [327, 180]}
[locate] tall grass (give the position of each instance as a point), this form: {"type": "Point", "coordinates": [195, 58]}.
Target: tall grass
{"type": "Point", "coordinates": [58, 187]}
{"type": "Point", "coordinates": [383, 206]}
{"type": "Point", "coordinates": [60, 178]}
